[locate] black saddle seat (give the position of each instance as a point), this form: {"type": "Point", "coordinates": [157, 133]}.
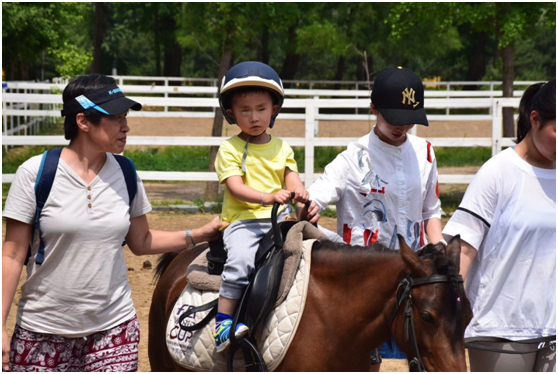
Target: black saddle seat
{"type": "Point", "coordinates": [264, 287]}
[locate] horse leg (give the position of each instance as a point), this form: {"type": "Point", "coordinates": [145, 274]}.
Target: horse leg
{"type": "Point", "coordinates": [168, 289]}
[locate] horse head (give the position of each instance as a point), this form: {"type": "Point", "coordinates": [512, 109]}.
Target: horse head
{"type": "Point", "coordinates": [432, 334]}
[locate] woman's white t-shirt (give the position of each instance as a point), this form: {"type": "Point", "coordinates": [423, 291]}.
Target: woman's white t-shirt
{"type": "Point", "coordinates": [82, 286]}
{"type": "Point", "coordinates": [509, 215]}
{"type": "Point", "coordinates": [381, 191]}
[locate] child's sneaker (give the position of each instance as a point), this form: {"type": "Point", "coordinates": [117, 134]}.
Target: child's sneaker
{"type": "Point", "coordinates": [222, 331]}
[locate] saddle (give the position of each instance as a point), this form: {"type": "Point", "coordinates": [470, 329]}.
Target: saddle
{"type": "Point", "coordinates": [260, 295]}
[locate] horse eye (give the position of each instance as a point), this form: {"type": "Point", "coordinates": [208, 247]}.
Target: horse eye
{"type": "Point", "coordinates": [427, 317]}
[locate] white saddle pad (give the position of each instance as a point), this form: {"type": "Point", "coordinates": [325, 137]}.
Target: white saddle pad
{"type": "Point", "coordinates": [196, 350]}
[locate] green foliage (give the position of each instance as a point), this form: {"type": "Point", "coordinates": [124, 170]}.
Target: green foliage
{"type": "Point", "coordinates": [17, 156]}
{"type": "Point", "coordinates": [172, 158]}
{"type": "Point", "coordinates": [72, 60]}
{"type": "Point", "coordinates": [28, 29]}
{"type": "Point", "coordinates": [462, 156]}
{"type": "Point", "coordinates": [175, 158]}
{"type": "Point", "coordinates": [329, 213]}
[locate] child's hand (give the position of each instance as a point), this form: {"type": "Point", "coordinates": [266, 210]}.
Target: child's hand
{"type": "Point", "coordinates": [282, 197]}
{"type": "Point", "coordinates": [301, 195]}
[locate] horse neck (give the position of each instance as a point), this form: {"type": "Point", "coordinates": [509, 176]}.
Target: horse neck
{"type": "Point", "coordinates": [362, 285]}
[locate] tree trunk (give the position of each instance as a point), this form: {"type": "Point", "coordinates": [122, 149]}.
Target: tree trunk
{"type": "Point", "coordinates": [212, 188]}
{"type": "Point", "coordinates": [173, 51]}
{"type": "Point", "coordinates": [477, 59]}
{"type": "Point", "coordinates": [292, 59]}
{"type": "Point", "coordinates": [98, 34]}
{"type": "Point", "coordinates": [157, 37]}
{"type": "Point", "coordinates": [265, 46]}
{"type": "Point", "coordinates": [339, 72]}
{"type": "Point", "coordinates": [507, 87]}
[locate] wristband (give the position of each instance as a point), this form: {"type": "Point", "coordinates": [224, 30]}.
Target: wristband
{"type": "Point", "coordinates": [261, 199]}
{"type": "Point", "coordinates": [189, 236]}
{"type": "Point", "coordinates": [443, 242]}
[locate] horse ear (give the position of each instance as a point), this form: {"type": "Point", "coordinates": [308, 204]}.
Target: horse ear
{"type": "Point", "coordinates": [453, 250]}
{"type": "Point", "coordinates": [417, 266]}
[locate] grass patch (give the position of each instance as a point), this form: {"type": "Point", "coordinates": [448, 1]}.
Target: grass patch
{"type": "Point", "coordinates": [330, 213]}
{"type": "Point", "coordinates": [462, 156]}
{"type": "Point", "coordinates": [169, 202]}
{"type": "Point", "coordinates": [182, 158]}
{"type": "Point", "coordinates": [18, 155]}
{"type": "Point", "coordinates": [171, 158]}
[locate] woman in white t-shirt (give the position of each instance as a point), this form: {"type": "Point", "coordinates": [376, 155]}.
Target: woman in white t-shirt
{"type": "Point", "coordinates": [76, 311]}
{"type": "Point", "coordinates": [507, 223]}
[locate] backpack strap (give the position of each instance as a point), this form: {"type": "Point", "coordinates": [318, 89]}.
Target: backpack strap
{"type": "Point", "coordinates": [130, 177]}
{"type": "Point", "coordinates": [43, 185]}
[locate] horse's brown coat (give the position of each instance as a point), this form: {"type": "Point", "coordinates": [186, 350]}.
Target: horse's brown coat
{"type": "Point", "coordinates": [350, 298]}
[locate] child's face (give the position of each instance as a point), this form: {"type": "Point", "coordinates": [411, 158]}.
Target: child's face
{"type": "Point", "coordinates": [393, 135]}
{"type": "Point", "coordinates": [253, 112]}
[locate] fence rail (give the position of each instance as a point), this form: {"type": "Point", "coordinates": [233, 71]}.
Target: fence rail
{"type": "Point", "coordinates": [18, 104]}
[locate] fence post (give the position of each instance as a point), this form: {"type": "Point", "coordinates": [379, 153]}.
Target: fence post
{"type": "Point", "coordinates": [309, 143]}
{"type": "Point", "coordinates": [166, 94]}
{"type": "Point", "coordinates": [496, 126]}
{"type": "Point", "coordinates": [448, 96]}
{"type": "Point", "coordinates": [316, 112]}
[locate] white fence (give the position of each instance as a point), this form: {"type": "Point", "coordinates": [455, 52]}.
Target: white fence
{"type": "Point", "coordinates": [18, 104]}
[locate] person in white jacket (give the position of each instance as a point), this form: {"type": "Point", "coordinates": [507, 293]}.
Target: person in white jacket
{"type": "Point", "coordinates": [386, 183]}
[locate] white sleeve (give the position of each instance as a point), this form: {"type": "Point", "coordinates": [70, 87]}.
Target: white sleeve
{"type": "Point", "coordinates": [474, 216]}
{"type": "Point", "coordinates": [331, 185]}
{"type": "Point", "coordinates": [140, 204]}
{"type": "Point", "coordinates": [21, 203]}
{"type": "Point", "coordinates": [431, 206]}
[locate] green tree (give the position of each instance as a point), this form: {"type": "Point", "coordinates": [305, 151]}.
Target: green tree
{"type": "Point", "coordinates": [507, 22]}
{"type": "Point", "coordinates": [30, 30]}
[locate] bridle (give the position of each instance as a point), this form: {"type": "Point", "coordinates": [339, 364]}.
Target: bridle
{"type": "Point", "coordinates": [403, 295]}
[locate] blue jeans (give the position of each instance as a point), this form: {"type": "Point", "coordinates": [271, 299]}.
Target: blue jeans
{"type": "Point", "coordinates": [390, 350]}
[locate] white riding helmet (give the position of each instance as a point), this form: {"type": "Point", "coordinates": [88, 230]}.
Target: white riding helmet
{"type": "Point", "coordinates": [251, 74]}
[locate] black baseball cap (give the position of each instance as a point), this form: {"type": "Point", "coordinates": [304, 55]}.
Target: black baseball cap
{"type": "Point", "coordinates": [398, 94]}
{"type": "Point", "coordinates": [108, 100]}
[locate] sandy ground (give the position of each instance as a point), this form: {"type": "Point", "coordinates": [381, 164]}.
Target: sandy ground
{"type": "Point", "coordinates": [295, 128]}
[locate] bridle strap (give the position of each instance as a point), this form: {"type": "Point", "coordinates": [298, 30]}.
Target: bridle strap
{"type": "Point", "coordinates": [403, 295]}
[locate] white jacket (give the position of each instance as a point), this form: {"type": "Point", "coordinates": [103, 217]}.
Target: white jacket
{"type": "Point", "coordinates": [381, 191]}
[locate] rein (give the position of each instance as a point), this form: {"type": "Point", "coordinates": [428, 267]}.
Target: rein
{"type": "Point", "coordinates": [403, 295]}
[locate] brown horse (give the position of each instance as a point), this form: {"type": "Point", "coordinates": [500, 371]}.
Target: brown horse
{"type": "Point", "coordinates": [353, 306]}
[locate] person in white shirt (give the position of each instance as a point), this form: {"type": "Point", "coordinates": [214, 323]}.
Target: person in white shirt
{"type": "Point", "coordinates": [386, 183]}
{"type": "Point", "coordinates": [507, 224]}
{"type": "Point", "coordinates": [76, 311]}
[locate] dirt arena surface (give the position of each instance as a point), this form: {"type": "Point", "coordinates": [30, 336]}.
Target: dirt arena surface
{"type": "Point", "coordinates": [140, 126]}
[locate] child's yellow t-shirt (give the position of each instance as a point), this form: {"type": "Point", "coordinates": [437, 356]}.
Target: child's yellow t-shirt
{"type": "Point", "coordinates": [265, 172]}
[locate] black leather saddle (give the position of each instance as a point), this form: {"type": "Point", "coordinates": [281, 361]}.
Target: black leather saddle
{"type": "Point", "coordinates": [260, 294]}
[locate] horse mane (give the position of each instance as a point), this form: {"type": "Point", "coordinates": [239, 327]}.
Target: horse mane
{"type": "Point", "coordinates": [376, 248]}
{"type": "Point", "coordinates": [435, 253]}
{"type": "Point", "coordinates": [163, 263]}
{"type": "Point", "coordinates": [443, 266]}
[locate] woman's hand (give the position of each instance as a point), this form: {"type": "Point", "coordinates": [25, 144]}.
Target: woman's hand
{"type": "Point", "coordinates": [5, 351]}
{"type": "Point", "coordinates": [310, 214]}
{"type": "Point", "coordinates": [209, 232]}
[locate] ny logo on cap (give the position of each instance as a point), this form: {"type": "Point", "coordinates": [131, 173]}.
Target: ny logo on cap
{"type": "Point", "coordinates": [409, 95]}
